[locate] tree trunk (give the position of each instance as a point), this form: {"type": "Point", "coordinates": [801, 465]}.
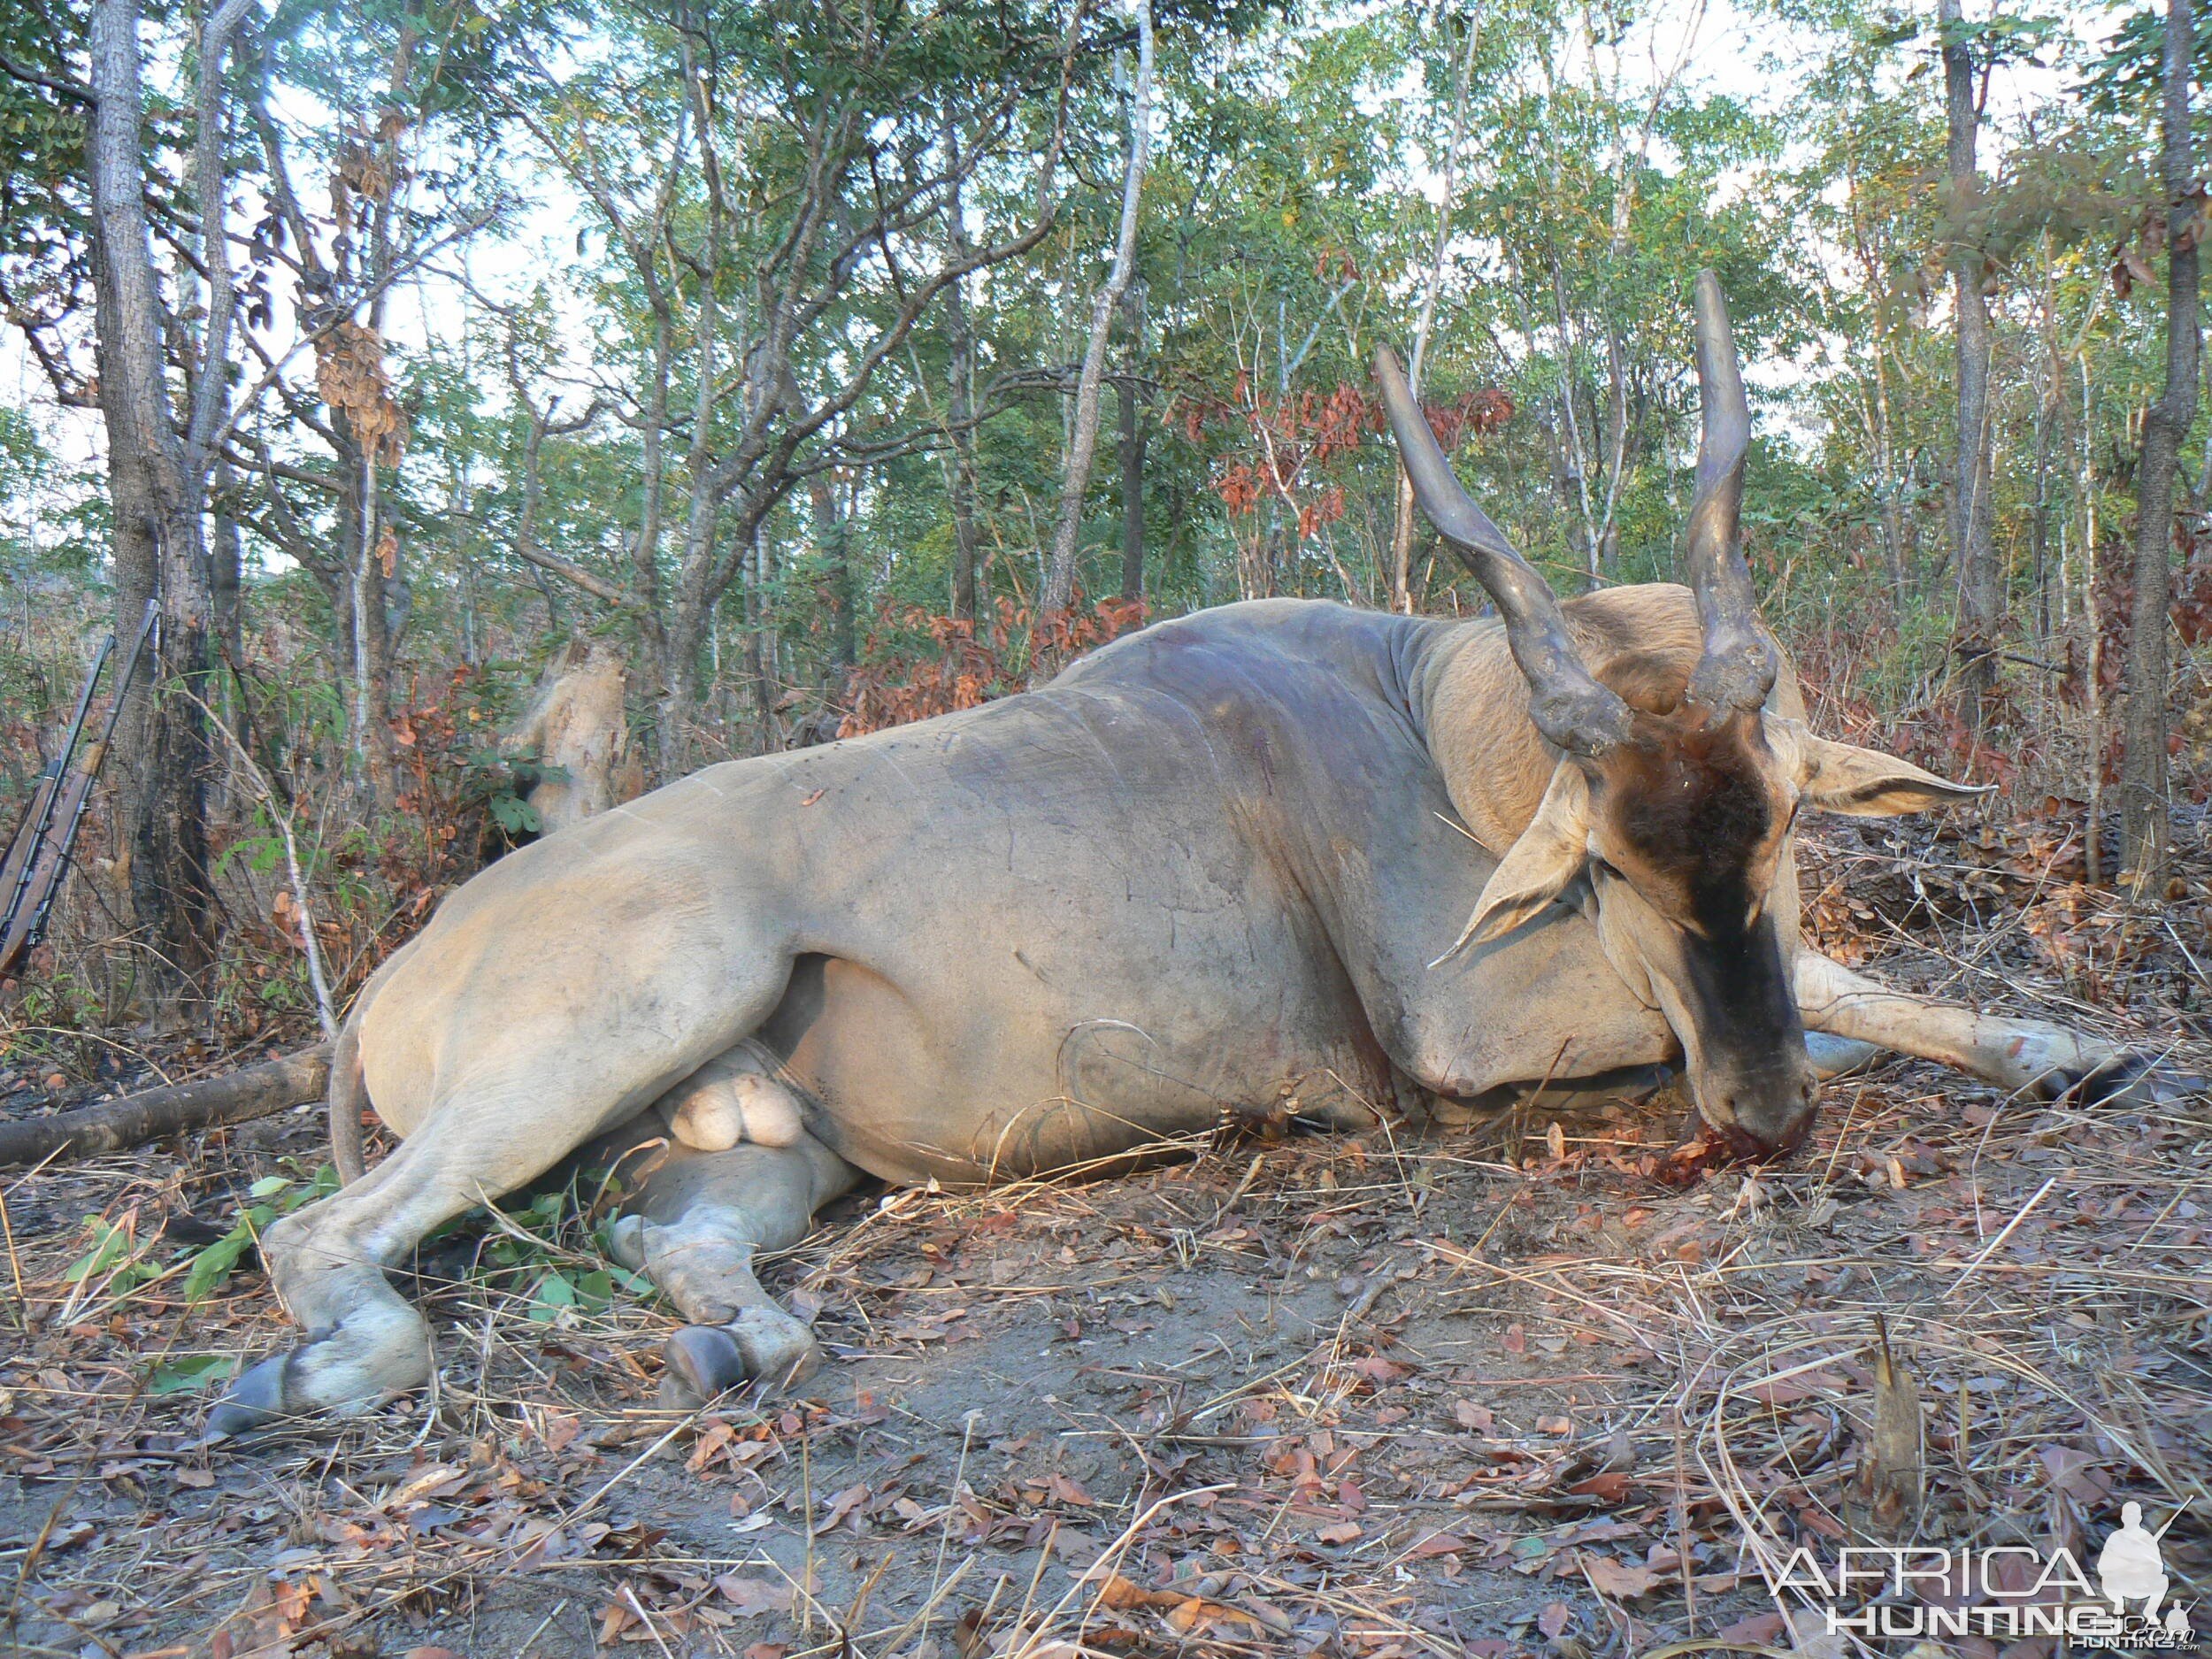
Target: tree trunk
{"type": "Point", "coordinates": [226, 609]}
{"type": "Point", "coordinates": [960, 479]}
{"type": "Point", "coordinates": [1570, 422]}
{"type": "Point", "coordinates": [377, 578]}
{"type": "Point", "coordinates": [2092, 542]}
{"type": "Point", "coordinates": [2039, 517]}
{"type": "Point", "coordinates": [235, 1097]}
{"type": "Point", "coordinates": [760, 642]}
{"type": "Point", "coordinates": [963, 526]}
{"type": "Point", "coordinates": [831, 545]}
{"type": "Point", "coordinates": [691, 612]}
{"type": "Point", "coordinates": [1059, 586]}
{"type": "Point", "coordinates": [1981, 598]}
{"type": "Point", "coordinates": [1889, 486]}
{"type": "Point", "coordinates": [158, 535]}
{"type": "Point", "coordinates": [225, 569]}
{"type": "Point", "coordinates": [372, 645]}
{"type": "Point", "coordinates": [645, 549]}
{"type": "Point", "coordinates": [169, 865]}
{"type": "Point", "coordinates": [2143, 822]}
{"type": "Point", "coordinates": [698, 583]}
{"type": "Point", "coordinates": [1617, 418]}
{"type": "Point", "coordinates": [351, 580]}
{"type": "Point", "coordinates": [1132, 437]}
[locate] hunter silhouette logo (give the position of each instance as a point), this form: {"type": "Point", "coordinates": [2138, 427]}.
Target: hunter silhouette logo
{"type": "Point", "coordinates": [2130, 1566]}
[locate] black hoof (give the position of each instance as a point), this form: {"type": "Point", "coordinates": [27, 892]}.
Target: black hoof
{"type": "Point", "coordinates": [2107, 1082]}
{"type": "Point", "coordinates": [254, 1401]}
{"type": "Point", "coordinates": [2135, 1079]}
{"type": "Point", "coordinates": [703, 1360]}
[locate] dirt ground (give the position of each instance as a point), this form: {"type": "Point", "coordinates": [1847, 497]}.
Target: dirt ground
{"type": "Point", "coordinates": [1541, 1385]}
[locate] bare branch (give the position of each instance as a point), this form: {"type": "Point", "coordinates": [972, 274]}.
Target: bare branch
{"type": "Point", "coordinates": [69, 90]}
{"type": "Point", "coordinates": [597, 586]}
{"type": "Point", "coordinates": [212, 383]}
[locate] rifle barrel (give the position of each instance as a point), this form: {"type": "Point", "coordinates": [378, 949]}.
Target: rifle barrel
{"type": "Point", "coordinates": [47, 863]}
{"type": "Point", "coordinates": [38, 816]}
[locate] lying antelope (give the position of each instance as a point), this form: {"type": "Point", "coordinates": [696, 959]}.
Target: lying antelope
{"type": "Point", "coordinates": [1274, 851]}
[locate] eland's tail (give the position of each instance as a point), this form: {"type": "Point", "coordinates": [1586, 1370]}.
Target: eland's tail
{"type": "Point", "coordinates": [347, 1096]}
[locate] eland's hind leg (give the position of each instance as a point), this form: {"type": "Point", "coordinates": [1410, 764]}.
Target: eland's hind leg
{"type": "Point", "coordinates": [2029, 1056]}
{"type": "Point", "coordinates": [327, 1263]}
{"type": "Point", "coordinates": [497, 1070]}
{"type": "Point", "coordinates": [695, 1228]}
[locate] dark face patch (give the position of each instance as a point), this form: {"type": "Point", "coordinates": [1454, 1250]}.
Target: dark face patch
{"type": "Point", "coordinates": [1692, 817]}
{"type": "Point", "coordinates": [1754, 1080]}
{"type": "Point", "coordinates": [1689, 817]}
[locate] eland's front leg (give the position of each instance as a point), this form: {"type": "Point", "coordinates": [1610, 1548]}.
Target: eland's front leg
{"type": "Point", "coordinates": [2028, 1057]}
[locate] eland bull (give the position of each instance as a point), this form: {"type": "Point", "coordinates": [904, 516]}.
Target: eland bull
{"type": "Point", "coordinates": [1275, 852]}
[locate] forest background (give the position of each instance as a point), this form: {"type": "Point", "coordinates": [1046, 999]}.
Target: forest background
{"type": "Point", "coordinates": [842, 364]}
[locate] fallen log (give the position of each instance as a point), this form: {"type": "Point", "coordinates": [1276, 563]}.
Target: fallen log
{"type": "Point", "coordinates": [235, 1097]}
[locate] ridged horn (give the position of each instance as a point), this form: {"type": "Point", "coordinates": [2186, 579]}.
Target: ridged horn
{"type": "Point", "coordinates": [1569, 706]}
{"type": "Point", "coordinates": [1739, 661]}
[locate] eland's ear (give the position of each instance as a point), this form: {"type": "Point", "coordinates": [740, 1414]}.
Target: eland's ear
{"type": "Point", "coordinates": [1549, 854]}
{"type": "Point", "coordinates": [1866, 783]}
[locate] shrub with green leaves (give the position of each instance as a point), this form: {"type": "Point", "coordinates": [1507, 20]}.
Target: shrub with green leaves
{"type": "Point", "coordinates": [548, 1244]}
{"type": "Point", "coordinates": [272, 1197]}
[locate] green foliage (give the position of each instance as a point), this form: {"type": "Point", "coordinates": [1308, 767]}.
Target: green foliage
{"type": "Point", "coordinates": [271, 1196]}
{"type": "Point", "coordinates": [113, 1261]}
{"type": "Point", "coordinates": [192, 1374]}
{"type": "Point", "coordinates": [547, 1249]}
{"type": "Point", "coordinates": [514, 814]}
{"type": "Point", "coordinates": [2127, 78]}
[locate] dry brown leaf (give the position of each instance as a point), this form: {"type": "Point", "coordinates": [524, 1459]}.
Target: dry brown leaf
{"type": "Point", "coordinates": [1621, 1580]}
{"type": "Point", "coordinates": [349, 374]}
{"type": "Point", "coordinates": [613, 1620]}
{"type": "Point", "coordinates": [842, 1505]}
{"type": "Point", "coordinates": [1470, 1416]}
{"type": "Point", "coordinates": [1438, 1544]}
{"type": "Point", "coordinates": [1761, 1630]}
{"type": "Point", "coordinates": [1186, 1613]}
{"type": "Point", "coordinates": [2075, 1473]}
{"type": "Point", "coordinates": [1611, 1486]}
{"type": "Point", "coordinates": [1122, 1592]}
{"type": "Point", "coordinates": [754, 1595]}
{"type": "Point", "coordinates": [1195, 1614]}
